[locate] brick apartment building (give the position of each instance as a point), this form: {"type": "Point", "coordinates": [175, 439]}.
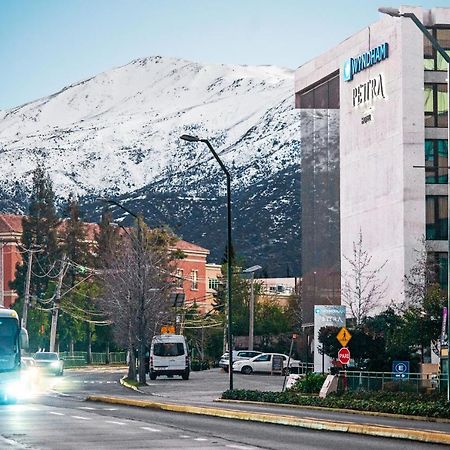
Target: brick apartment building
{"type": "Point", "coordinates": [192, 268]}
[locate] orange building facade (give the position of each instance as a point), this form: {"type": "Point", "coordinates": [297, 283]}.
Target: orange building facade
{"type": "Point", "coordinates": [191, 270]}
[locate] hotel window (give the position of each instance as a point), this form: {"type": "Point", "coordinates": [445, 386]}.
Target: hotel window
{"type": "Point", "coordinates": [179, 277]}
{"type": "Point", "coordinates": [436, 161]}
{"type": "Point", "coordinates": [436, 214]}
{"type": "Point", "coordinates": [194, 280]}
{"type": "Point", "coordinates": [436, 105]}
{"type": "Point", "coordinates": [439, 265]}
{"type": "Point", "coordinates": [213, 283]}
{"type": "Point", "coordinates": [433, 59]}
{"type": "Point", "coordinates": [323, 95]}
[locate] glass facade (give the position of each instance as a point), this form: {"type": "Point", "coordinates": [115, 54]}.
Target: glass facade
{"type": "Point", "coordinates": [436, 161]}
{"type": "Point", "coordinates": [436, 217]}
{"type": "Point", "coordinates": [436, 105]}
{"type": "Point", "coordinates": [320, 213]}
{"type": "Point", "coordinates": [324, 95]}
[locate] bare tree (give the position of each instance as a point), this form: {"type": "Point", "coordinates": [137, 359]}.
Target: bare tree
{"type": "Point", "coordinates": [421, 277]}
{"type": "Point", "coordinates": [136, 288]}
{"type": "Point", "coordinates": [362, 288]}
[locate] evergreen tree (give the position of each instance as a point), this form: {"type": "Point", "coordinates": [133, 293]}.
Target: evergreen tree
{"type": "Point", "coordinates": [108, 240]}
{"type": "Point", "coordinates": [39, 232]}
{"type": "Point", "coordinates": [74, 242]}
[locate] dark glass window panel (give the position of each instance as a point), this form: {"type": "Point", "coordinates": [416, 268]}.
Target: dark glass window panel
{"type": "Point", "coordinates": [438, 263]}
{"type": "Point", "coordinates": [442, 105]}
{"type": "Point", "coordinates": [429, 105]}
{"type": "Point", "coordinates": [333, 93]}
{"type": "Point", "coordinates": [307, 100]}
{"type": "Point", "coordinates": [436, 217]}
{"type": "Point", "coordinates": [428, 54]}
{"type": "Point", "coordinates": [321, 96]}
{"type": "Point", "coordinates": [430, 171]}
{"type": "Point", "coordinates": [443, 37]}
{"type": "Point", "coordinates": [436, 161]}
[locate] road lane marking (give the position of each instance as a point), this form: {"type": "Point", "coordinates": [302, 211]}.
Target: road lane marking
{"type": "Point", "coordinates": [155, 430]}
{"type": "Point", "coordinates": [184, 436]}
{"type": "Point", "coordinates": [80, 417]}
{"type": "Point", "coordinates": [200, 439]}
{"type": "Point", "coordinates": [241, 447]}
{"type": "Point", "coordinates": [57, 413]}
{"type": "Point", "coordinates": [86, 407]}
{"type": "Point", "coordinates": [114, 422]}
{"type": "Point", "coordinates": [110, 409]}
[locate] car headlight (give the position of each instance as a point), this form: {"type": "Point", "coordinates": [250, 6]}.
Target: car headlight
{"type": "Point", "coordinates": [55, 364]}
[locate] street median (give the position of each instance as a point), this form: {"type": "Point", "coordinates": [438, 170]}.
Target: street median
{"type": "Point", "coordinates": [313, 424]}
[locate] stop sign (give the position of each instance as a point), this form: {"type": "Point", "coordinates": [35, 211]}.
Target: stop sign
{"type": "Point", "coordinates": [344, 355]}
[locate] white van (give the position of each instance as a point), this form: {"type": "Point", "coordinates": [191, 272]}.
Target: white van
{"type": "Point", "coordinates": [169, 356]}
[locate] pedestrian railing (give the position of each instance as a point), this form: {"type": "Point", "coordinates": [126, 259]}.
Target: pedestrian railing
{"type": "Point", "coordinates": [390, 381]}
{"type": "Point", "coordinates": [79, 359]}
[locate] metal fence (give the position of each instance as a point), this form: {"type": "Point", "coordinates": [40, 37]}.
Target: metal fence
{"type": "Point", "coordinates": [389, 381]}
{"type": "Point", "coordinates": [80, 359]}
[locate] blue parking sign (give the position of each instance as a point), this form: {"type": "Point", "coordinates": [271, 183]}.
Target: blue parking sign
{"type": "Point", "coordinates": [400, 370]}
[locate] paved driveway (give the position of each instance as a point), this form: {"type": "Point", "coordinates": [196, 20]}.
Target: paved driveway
{"type": "Point", "coordinates": [207, 385]}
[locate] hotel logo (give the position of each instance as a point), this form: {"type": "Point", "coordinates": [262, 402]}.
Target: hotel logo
{"type": "Point", "coordinates": [364, 61]}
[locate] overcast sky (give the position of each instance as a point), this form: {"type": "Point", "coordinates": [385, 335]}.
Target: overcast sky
{"type": "Point", "coordinates": [48, 44]}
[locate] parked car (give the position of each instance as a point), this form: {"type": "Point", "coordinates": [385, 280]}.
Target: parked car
{"type": "Point", "coordinates": [49, 362]}
{"type": "Point", "coordinates": [263, 363]}
{"type": "Point", "coordinates": [169, 356]}
{"type": "Point", "coordinates": [238, 355]}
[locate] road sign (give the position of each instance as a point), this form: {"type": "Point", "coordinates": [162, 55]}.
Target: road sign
{"type": "Point", "coordinates": [343, 336]}
{"type": "Point", "coordinates": [168, 329]}
{"type": "Point", "coordinates": [344, 355]}
{"type": "Point", "coordinates": [400, 370]}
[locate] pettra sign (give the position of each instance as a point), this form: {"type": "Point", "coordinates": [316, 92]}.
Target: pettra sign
{"type": "Point", "coordinates": [365, 60]}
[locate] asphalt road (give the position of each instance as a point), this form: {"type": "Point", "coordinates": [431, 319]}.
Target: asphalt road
{"type": "Point", "coordinates": [59, 418]}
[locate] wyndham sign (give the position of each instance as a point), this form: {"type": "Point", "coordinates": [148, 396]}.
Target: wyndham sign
{"type": "Point", "coordinates": [367, 59]}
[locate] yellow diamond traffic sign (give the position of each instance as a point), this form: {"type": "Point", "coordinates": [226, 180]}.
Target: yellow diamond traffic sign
{"type": "Point", "coordinates": [343, 336]}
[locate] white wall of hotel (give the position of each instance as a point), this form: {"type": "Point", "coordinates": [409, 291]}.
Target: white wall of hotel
{"type": "Point", "coordinates": [381, 192]}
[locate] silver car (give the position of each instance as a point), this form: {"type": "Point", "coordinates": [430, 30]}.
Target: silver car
{"type": "Point", "coordinates": [238, 355]}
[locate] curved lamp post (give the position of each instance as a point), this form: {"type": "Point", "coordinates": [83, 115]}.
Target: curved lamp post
{"type": "Point", "coordinates": [395, 12]}
{"type": "Point", "coordinates": [189, 138]}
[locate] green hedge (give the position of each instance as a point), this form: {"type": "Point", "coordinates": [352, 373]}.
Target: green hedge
{"type": "Point", "coordinates": [431, 405]}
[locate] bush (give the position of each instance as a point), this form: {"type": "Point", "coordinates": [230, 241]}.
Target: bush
{"type": "Point", "coordinates": [197, 364]}
{"type": "Point", "coordinates": [413, 404]}
{"type": "Point", "coordinates": [311, 383]}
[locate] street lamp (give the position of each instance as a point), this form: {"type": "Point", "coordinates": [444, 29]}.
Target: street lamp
{"type": "Point", "coordinates": [189, 138]}
{"type": "Point", "coordinates": [252, 271]}
{"type": "Point", "coordinates": [394, 12]}
{"type": "Point", "coordinates": [142, 324]}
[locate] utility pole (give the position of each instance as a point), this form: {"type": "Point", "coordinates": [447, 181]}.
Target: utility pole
{"type": "Point", "coordinates": [26, 301]}
{"type": "Point", "coordinates": [56, 303]}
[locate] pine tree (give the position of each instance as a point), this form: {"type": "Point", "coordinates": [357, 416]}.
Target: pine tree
{"type": "Point", "coordinates": [39, 233]}
{"type": "Point", "coordinates": [74, 242]}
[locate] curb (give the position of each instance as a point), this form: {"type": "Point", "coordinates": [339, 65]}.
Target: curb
{"type": "Point", "coordinates": [339, 410]}
{"type": "Point", "coordinates": [129, 386]}
{"type": "Point", "coordinates": [436, 437]}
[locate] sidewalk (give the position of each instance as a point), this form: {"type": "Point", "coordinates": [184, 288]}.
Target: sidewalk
{"type": "Point", "coordinates": [200, 396]}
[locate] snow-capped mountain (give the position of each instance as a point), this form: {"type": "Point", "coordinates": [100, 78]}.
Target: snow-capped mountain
{"type": "Point", "coordinates": [117, 134]}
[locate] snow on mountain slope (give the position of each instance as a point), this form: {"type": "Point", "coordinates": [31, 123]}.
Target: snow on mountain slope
{"type": "Point", "coordinates": [119, 131]}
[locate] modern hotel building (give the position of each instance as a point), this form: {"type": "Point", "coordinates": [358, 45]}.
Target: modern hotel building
{"type": "Point", "coordinates": [374, 124]}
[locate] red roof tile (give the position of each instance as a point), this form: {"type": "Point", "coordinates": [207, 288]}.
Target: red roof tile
{"type": "Point", "coordinates": [10, 223]}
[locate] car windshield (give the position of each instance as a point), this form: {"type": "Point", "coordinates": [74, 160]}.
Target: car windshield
{"type": "Point", "coordinates": [46, 356]}
{"type": "Point", "coordinates": [168, 349]}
